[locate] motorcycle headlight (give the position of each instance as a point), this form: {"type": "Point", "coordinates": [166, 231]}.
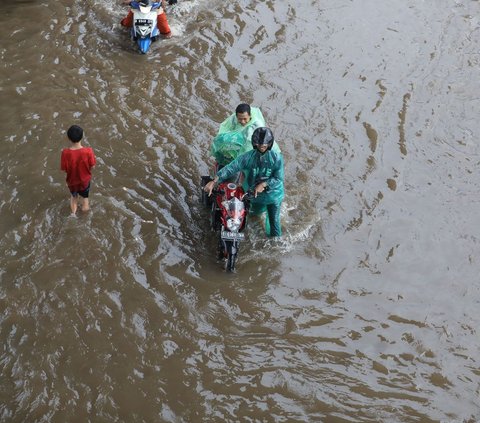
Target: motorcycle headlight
{"type": "Point", "coordinates": [233, 224]}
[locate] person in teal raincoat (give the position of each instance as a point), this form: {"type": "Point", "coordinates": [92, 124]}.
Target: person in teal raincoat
{"type": "Point", "coordinates": [264, 174]}
{"type": "Point", "coordinates": [235, 134]}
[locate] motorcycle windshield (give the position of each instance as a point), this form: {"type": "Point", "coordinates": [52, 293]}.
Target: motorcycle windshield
{"type": "Point", "coordinates": [234, 207]}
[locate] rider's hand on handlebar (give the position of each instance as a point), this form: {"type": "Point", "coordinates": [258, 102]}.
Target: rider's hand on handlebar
{"type": "Point", "coordinates": [260, 188]}
{"type": "Point", "coordinates": [209, 187]}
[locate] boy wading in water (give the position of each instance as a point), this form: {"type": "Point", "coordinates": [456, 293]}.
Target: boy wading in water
{"type": "Point", "coordinates": [78, 161]}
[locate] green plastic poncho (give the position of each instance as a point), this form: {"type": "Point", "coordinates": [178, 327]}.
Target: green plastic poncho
{"type": "Point", "coordinates": [234, 139]}
{"type": "Point", "coordinates": [257, 167]}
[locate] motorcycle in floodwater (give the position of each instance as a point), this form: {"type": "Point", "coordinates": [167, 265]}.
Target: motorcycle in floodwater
{"type": "Point", "coordinates": [144, 30]}
{"type": "Point", "coordinates": [229, 209]}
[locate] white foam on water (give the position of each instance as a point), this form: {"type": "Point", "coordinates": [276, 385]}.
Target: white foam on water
{"type": "Point", "coordinates": [180, 14]}
{"type": "Point", "coordinates": [295, 232]}
{"type": "Point", "coordinates": [183, 8]}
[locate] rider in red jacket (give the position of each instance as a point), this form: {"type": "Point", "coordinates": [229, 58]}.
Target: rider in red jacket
{"type": "Point", "coordinates": [162, 22]}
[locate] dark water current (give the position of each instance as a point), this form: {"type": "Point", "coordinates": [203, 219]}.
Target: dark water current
{"type": "Point", "coordinates": [366, 311]}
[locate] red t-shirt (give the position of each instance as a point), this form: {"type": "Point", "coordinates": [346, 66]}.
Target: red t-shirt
{"type": "Point", "coordinates": [78, 165]}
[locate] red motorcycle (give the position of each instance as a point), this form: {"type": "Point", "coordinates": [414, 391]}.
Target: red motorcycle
{"type": "Point", "coordinates": [229, 208]}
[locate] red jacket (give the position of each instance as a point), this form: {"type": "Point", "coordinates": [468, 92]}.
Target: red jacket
{"type": "Point", "coordinates": [78, 165]}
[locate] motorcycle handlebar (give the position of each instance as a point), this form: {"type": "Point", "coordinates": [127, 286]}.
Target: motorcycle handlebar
{"type": "Point", "coordinates": [247, 196]}
{"type": "Point", "coordinates": [217, 191]}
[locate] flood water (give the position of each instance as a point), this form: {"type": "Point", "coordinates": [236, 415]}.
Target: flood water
{"type": "Point", "coordinates": [367, 309]}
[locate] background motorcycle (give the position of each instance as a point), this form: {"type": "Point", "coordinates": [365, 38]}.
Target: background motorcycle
{"type": "Point", "coordinates": [229, 208]}
{"type": "Point", "coordinates": [144, 29]}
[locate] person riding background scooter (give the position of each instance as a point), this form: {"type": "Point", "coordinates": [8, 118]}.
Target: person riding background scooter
{"type": "Point", "coordinates": [264, 174]}
{"type": "Point", "coordinates": [162, 22]}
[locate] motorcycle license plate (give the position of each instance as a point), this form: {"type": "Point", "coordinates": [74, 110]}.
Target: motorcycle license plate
{"type": "Point", "coordinates": [232, 235]}
{"type": "Point", "coordinates": [143, 22]}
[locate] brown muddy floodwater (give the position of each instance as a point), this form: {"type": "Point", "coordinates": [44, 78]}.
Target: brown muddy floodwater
{"type": "Point", "coordinates": [367, 310]}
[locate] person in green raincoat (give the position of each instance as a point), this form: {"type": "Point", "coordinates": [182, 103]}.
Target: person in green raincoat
{"type": "Point", "coordinates": [235, 132]}
{"type": "Point", "coordinates": [264, 173]}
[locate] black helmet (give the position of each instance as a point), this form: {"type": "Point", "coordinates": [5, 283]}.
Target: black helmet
{"type": "Point", "coordinates": [262, 136]}
{"type": "Point", "coordinates": [144, 3]}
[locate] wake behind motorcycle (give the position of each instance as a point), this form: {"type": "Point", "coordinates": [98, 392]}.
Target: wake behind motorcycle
{"type": "Point", "coordinates": [229, 208]}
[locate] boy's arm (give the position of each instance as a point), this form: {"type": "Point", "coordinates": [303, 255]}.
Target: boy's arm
{"type": "Point", "coordinates": [63, 162]}
{"type": "Point", "coordinates": [92, 159]}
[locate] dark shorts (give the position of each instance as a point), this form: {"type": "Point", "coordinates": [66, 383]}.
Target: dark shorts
{"type": "Point", "coordinates": [83, 194]}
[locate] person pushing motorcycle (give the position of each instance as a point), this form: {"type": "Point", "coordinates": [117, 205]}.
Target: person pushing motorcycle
{"type": "Point", "coordinates": [264, 173]}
